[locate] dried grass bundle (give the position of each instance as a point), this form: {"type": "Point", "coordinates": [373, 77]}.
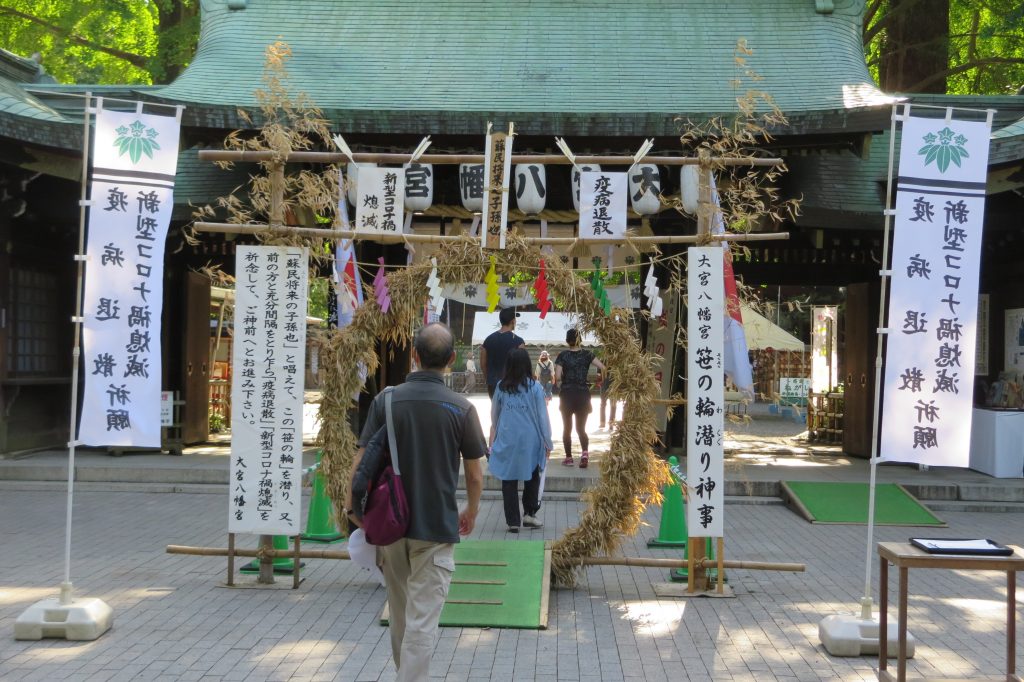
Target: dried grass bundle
{"type": "Point", "coordinates": [631, 474]}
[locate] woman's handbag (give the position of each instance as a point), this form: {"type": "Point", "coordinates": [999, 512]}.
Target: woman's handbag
{"type": "Point", "coordinates": [384, 509]}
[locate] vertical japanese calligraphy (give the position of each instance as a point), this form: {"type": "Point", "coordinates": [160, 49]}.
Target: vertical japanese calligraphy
{"type": "Point", "coordinates": [603, 204]}
{"type": "Point", "coordinates": [268, 365]}
{"type": "Point", "coordinates": [929, 361]}
{"type": "Point", "coordinates": [498, 167]}
{"type": "Point", "coordinates": [134, 161]}
{"type": "Point", "coordinates": [380, 200]}
{"type": "Point", "coordinates": [705, 379]}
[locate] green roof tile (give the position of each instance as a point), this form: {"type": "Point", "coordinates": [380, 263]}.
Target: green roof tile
{"type": "Point", "coordinates": [572, 58]}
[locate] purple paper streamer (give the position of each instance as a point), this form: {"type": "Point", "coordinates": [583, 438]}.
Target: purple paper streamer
{"type": "Point", "coordinates": [380, 288]}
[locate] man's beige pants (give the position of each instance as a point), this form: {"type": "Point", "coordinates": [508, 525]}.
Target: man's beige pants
{"type": "Point", "coordinates": [418, 574]}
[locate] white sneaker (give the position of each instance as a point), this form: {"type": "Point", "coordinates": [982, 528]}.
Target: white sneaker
{"type": "Point", "coordinates": [531, 522]}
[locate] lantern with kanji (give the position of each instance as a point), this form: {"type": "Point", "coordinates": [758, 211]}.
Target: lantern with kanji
{"type": "Point", "coordinates": [352, 173]}
{"type": "Point", "coordinates": [644, 188]}
{"type": "Point", "coordinates": [419, 186]}
{"type": "Point", "coordinates": [583, 168]}
{"type": "Point", "coordinates": [531, 190]}
{"type": "Point", "coordinates": [471, 186]}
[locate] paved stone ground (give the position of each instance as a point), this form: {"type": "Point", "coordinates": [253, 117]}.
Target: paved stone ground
{"type": "Point", "coordinates": [174, 622]}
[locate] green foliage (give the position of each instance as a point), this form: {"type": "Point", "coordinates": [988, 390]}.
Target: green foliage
{"type": "Point", "coordinates": [985, 44]}
{"type": "Point", "coordinates": [319, 287]}
{"type": "Point", "coordinates": [103, 41]}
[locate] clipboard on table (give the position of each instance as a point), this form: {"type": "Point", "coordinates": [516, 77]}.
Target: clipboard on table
{"type": "Point", "coordinates": [962, 546]}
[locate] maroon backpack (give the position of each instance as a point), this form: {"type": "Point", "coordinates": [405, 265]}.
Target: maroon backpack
{"type": "Point", "coordinates": [386, 512]}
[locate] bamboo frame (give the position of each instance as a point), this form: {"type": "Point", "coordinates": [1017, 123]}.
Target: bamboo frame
{"type": "Point", "coordinates": [645, 562]}
{"type": "Point", "coordinates": [446, 159]}
{"type": "Point", "coordinates": [279, 230]}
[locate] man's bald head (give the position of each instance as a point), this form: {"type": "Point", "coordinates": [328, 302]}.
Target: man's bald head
{"type": "Point", "coordinates": [434, 346]}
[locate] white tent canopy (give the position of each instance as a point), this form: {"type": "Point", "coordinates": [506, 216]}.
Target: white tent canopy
{"type": "Point", "coordinates": [536, 332]}
{"type": "Point", "coordinates": [762, 334]}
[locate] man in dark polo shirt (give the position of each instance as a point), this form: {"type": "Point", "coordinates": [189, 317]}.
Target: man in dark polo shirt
{"type": "Point", "coordinates": [433, 426]}
{"type": "Point", "coordinates": [496, 347]}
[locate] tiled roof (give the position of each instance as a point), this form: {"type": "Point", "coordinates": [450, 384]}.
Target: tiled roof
{"type": "Point", "coordinates": [585, 62]}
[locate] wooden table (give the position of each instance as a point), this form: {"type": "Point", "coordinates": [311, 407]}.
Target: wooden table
{"type": "Point", "coordinates": [905, 556]}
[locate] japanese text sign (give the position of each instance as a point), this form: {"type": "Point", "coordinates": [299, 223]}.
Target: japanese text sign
{"type": "Point", "coordinates": [380, 200]}
{"type": "Point", "coordinates": [603, 204]}
{"type": "Point", "coordinates": [705, 396]}
{"type": "Point", "coordinates": [498, 167]}
{"type": "Point", "coordinates": [268, 370]}
{"type": "Point", "coordinates": [132, 193]}
{"type": "Point", "coordinates": [929, 360]}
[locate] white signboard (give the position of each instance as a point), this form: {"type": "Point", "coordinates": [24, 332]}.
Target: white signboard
{"type": "Point", "coordinates": [134, 161]}
{"type": "Point", "coordinates": [535, 331]}
{"type": "Point", "coordinates": [268, 370]}
{"type": "Point", "coordinates": [1013, 344]}
{"type": "Point", "coordinates": [603, 204]}
{"type": "Point", "coordinates": [166, 408]}
{"type": "Point", "coordinates": [705, 383]}
{"type": "Point", "coordinates": [380, 200]}
{"type": "Point", "coordinates": [794, 387]}
{"type": "Point", "coordinates": [929, 363]}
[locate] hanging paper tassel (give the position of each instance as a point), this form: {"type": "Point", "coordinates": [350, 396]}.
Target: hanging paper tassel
{"type": "Point", "coordinates": [380, 288]}
{"type": "Point", "coordinates": [434, 287]}
{"type": "Point", "coordinates": [540, 288]}
{"type": "Point", "coordinates": [492, 288]}
{"type": "Point", "coordinates": [652, 293]}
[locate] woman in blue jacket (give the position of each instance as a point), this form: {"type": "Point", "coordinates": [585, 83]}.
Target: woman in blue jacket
{"type": "Point", "coordinates": [520, 439]}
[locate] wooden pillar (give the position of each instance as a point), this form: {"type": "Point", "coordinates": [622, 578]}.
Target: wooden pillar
{"type": "Point", "coordinates": [266, 576]}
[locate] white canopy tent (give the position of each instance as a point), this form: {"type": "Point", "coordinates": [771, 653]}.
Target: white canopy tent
{"type": "Point", "coordinates": [536, 332]}
{"type": "Point", "coordinates": [762, 333]}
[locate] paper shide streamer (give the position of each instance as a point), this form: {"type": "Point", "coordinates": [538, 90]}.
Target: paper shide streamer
{"type": "Point", "coordinates": [380, 288]}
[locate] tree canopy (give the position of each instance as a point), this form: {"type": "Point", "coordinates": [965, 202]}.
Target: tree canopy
{"type": "Point", "coordinates": [103, 41]}
{"type": "Point", "coordinates": [946, 46]}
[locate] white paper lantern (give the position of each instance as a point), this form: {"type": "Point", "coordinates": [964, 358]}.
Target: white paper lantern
{"type": "Point", "coordinates": [471, 186]}
{"type": "Point", "coordinates": [644, 188]}
{"type": "Point", "coordinates": [531, 187]}
{"type": "Point", "coordinates": [352, 175]}
{"type": "Point", "coordinates": [576, 181]}
{"type": "Point", "coordinates": [689, 187]}
{"type": "Point", "coordinates": [419, 186]}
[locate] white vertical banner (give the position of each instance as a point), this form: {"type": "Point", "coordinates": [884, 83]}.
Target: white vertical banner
{"type": "Point", "coordinates": [134, 160]}
{"type": "Point", "coordinates": [705, 384]}
{"type": "Point", "coordinates": [929, 360]}
{"type": "Point", "coordinates": [268, 361]}
{"type": "Point", "coordinates": [380, 200]}
{"type": "Point", "coordinates": [824, 348]}
{"type": "Point", "coordinates": [603, 204]}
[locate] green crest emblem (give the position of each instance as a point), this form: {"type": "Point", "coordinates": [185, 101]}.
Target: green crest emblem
{"type": "Point", "coordinates": [135, 140]}
{"type": "Point", "coordinates": [942, 148]}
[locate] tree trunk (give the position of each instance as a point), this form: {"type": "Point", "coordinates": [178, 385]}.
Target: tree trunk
{"type": "Point", "coordinates": [177, 35]}
{"type": "Point", "coordinates": [916, 46]}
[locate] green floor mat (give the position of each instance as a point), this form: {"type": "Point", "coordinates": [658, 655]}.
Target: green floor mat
{"type": "Point", "coordinates": [832, 502]}
{"type": "Point", "coordinates": [498, 584]}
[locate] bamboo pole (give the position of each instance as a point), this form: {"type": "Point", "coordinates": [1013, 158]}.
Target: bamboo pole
{"type": "Point", "coordinates": [443, 159]}
{"type": "Point", "coordinates": [304, 553]}
{"type": "Point", "coordinates": [704, 563]}
{"type": "Point", "coordinates": [648, 562]}
{"type": "Point", "coordinates": [261, 228]}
